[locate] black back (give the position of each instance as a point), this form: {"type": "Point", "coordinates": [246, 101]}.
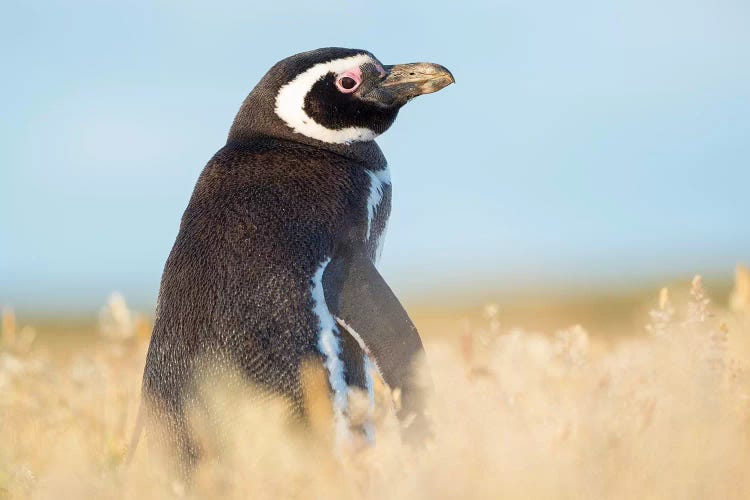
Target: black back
{"type": "Point", "coordinates": [268, 208]}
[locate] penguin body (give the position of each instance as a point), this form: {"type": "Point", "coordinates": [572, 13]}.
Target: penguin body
{"type": "Point", "coordinates": [274, 260]}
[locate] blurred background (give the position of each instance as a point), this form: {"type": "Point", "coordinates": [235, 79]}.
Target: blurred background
{"type": "Point", "coordinates": [589, 154]}
{"type": "Point", "coordinates": [588, 149]}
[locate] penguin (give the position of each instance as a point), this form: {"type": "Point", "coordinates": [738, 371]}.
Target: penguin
{"type": "Point", "coordinates": [275, 259]}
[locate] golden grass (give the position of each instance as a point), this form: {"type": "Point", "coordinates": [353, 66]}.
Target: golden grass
{"type": "Point", "coordinates": [663, 412]}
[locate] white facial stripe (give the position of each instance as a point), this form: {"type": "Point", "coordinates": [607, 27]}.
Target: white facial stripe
{"type": "Point", "coordinates": [290, 103]}
{"type": "Point", "coordinates": [330, 346]}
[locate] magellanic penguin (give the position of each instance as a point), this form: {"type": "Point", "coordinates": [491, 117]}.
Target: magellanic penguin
{"type": "Point", "coordinates": [275, 258]}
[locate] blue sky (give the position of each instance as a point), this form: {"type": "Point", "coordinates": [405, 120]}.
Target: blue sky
{"type": "Point", "coordinates": [584, 143]}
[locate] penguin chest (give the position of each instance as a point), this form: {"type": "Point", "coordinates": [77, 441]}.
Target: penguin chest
{"type": "Point", "coordinates": [378, 211]}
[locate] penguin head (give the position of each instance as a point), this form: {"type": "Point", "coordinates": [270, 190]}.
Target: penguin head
{"type": "Point", "coordinates": [334, 96]}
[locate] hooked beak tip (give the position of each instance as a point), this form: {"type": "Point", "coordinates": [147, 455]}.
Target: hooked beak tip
{"type": "Point", "coordinates": [418, 78]}
{"type": "Point", "coordinates": [449, 75]}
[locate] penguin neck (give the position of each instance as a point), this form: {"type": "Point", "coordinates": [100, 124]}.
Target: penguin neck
{"type": "Point", "coordinates": [256, 121]}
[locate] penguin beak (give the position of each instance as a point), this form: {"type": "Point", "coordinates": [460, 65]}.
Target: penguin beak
{"type": "Point", "coordinates": [404, 82]}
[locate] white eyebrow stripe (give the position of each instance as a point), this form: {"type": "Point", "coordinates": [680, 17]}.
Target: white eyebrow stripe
{"type": "Point", "coordinates": [290, 103]}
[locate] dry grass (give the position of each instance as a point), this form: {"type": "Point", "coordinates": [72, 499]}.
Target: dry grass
{"type": "Point", "coordinates": [661, 413]}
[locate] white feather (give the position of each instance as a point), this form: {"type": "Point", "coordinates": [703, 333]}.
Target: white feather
{"type": "Point", "coordinates": [290, 103]}
{"type": "Point", "coordinates": [369, 364]}
{"type": "Point", "coordinates": [330, 346]}
{"type": "Point", "coordinates": [378, 180]}
{"type": "Point", "coordinates": [369, 425]}
{"type": "Point", "coordinates": [361, 343]}
{"type": "Point", "coordinates": [381, 243]}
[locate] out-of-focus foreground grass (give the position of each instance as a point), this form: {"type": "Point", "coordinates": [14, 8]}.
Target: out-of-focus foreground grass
{"type": "Point", "coordinates": [613, 410]}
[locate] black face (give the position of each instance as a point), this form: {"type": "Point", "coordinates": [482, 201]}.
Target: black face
{"type": "Point", "coordinates": [333, 95]}
{"type": "Point", "coordinates": [340, 101]}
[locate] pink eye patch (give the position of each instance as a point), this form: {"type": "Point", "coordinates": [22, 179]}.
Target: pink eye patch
{"type": "Point", "coordinates": [348, 81]}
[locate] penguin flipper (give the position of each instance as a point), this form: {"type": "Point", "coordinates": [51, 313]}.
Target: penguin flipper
{"type": "Point", "coordinates": [363, 303]}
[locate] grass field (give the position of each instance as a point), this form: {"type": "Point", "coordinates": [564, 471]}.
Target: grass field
{"type": "Point", "coordinates": [629, 396]}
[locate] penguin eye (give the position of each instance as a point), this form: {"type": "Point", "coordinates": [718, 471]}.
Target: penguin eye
{"type": "Point", "coordinates": [348, 82]}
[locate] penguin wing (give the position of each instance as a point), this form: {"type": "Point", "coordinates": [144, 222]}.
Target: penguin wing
{"type": "Point", "coordinates": [363, 303]}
